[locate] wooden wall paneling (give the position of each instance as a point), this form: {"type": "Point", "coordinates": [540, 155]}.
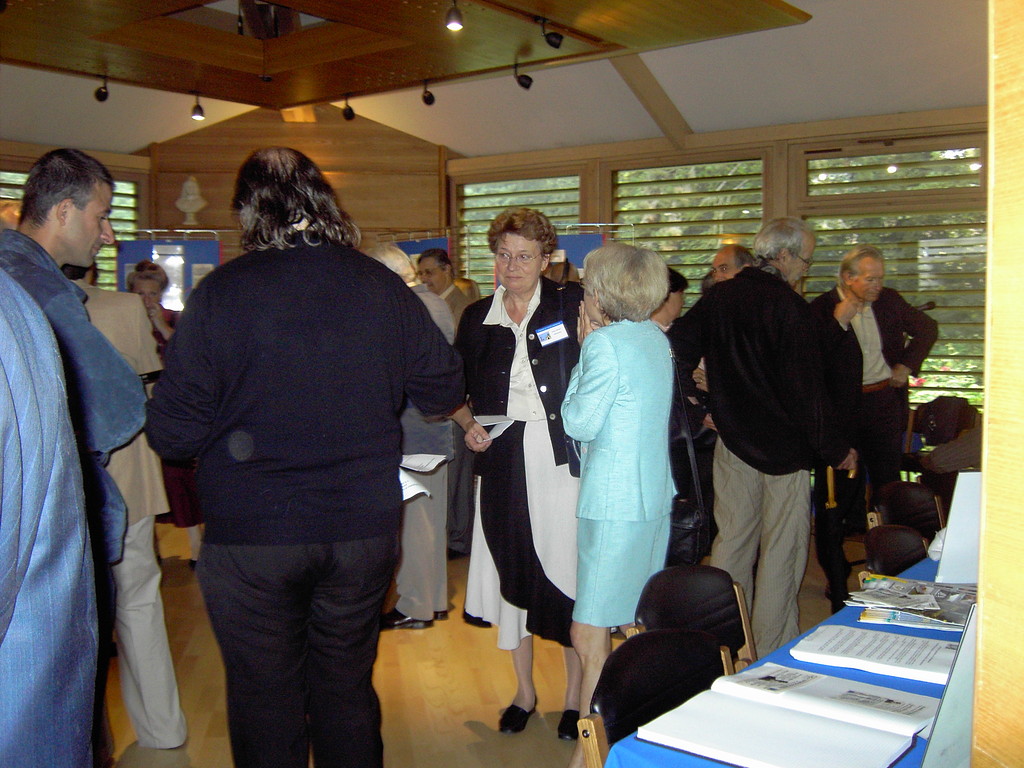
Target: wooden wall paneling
{"type": "Point", "coordinates": [384, 178]}
{"type": "Point", "coordinates": [444, 217]}
{"type": "Point", "coordinates": [591, 199]}
{"type": "Point", "coordinates": [999, 704]}
{"type": "Point", "coordinates": [19, 156]}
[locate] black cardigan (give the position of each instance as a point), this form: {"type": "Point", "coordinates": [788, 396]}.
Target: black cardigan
{"type": "Point", "coordinates": [285, 376]}
{"type": "Point", "coordinates": [487, 352]}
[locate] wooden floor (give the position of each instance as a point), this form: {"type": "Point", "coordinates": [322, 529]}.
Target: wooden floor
{"type": "Point", "coordinates": [441, 689]}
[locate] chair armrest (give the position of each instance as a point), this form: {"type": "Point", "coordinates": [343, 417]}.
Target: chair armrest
{"type": "Point", "coordinates": [594, 740]}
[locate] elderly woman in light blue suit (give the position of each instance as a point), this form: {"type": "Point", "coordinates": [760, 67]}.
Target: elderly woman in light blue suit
{"type": "Point", "coordinates": [617, 406]}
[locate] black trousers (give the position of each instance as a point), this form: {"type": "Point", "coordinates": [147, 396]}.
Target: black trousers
{"type": "Point", "coordinates": [297, 627]}
{"type": "Point", "coordinates": [460, 494]}
{"type": "Point", "coordinates": [878, 432]}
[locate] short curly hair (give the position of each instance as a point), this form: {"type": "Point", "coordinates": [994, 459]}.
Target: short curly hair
{"type": "Point", "coordinates": [525, 222]}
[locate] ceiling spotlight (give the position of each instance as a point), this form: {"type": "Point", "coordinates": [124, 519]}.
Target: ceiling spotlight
{"type": "Point", "coordinates": [102, 94]}
{"type": "Point", "coordinates": [554, 39]}
{"type": "Point", "coordinates": [524, 81]}
{"type": "Point", "coordinates": [347, 112]}
{"type": "Point", "coordinates": [197, 110]}
{"type": "Point", "coordinates": [453, 19]}
{"type": "Point", "coordinates": [428, 97]}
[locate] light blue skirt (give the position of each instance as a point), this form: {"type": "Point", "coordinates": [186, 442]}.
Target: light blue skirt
{"type": "Point", "coordinates": [615, 560]}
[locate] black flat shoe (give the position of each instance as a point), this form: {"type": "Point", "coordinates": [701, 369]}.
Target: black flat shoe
{"type": "Point", "coordinates": [397, 620]}
{"type": "Point", "coordinates": [440, 615]}
{"type": "Point", "coordinates": [513, 719]}
{"type": "Point", "coordinates": [568, 726]}
{"type": "Point", "coordinates": [475, 621]}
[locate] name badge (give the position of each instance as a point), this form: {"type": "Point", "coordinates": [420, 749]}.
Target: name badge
{"type": "Point", "coordinates": [550, 334]}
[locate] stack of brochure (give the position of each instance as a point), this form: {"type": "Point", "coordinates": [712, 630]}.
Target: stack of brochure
{"type": "Point", "coordinates": [907, 602]}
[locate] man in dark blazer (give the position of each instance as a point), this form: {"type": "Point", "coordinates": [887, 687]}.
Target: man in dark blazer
{"type": "Point", "coordinates": [872, 341]}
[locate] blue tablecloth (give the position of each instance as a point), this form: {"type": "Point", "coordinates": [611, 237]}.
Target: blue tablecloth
{"type": "Point", "coordinates": [632, 753]}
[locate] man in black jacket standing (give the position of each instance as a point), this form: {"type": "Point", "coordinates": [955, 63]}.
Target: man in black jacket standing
{"type": "Point", "coordinates": [769, 405]}
{"type": "Point", "coordinates": [286, 375]}
{"type": "Point", "coordinates": [872, 340]}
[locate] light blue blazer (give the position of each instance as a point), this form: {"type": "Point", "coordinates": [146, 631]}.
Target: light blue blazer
{"type": "Point", "coordinates": [617, 405]}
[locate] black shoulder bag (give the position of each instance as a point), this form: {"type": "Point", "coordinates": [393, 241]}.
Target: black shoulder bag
{"type": "Point", "coordinates": [572, 448]}
{"type": "Point", "coordinates": [690, 535]}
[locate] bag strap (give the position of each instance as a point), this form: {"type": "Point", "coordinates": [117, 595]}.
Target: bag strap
{"type": "Point", "coordinates": [689, 436]}
{"type": "Point", "coordinates": [570, 444]}
{"type": "Point", "coordinates": [561, 347]}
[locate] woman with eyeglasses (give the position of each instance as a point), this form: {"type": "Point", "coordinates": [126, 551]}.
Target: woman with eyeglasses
{"type": "Point", "coordinates": [519, 348]}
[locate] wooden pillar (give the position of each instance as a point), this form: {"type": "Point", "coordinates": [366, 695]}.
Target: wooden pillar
{"type": "Point", "coordinates": [999, 697]}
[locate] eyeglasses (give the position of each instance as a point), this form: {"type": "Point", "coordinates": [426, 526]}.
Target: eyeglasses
{"type": "Point", "coordinates": [519, 258]}
{"type": "Point", "coordinates": [800, 258]}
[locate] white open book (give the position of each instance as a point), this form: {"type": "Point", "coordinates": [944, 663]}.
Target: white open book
{"type": "Point", "coordinates": [885, 653]}
{"type": "Point", "coordinates": [778, 717]}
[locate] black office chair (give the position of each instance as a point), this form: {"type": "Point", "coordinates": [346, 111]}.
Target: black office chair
{"type": "Point", "coordinates": [700, 597]}
{"type": "Point", "coordinates": [912, 504]}
{"type": "Point", "coordinates": [644, 677]}
{"type": "Point", "coordinates": [891, 549]}
{"type": "Point", "coordinates": [934, 423]}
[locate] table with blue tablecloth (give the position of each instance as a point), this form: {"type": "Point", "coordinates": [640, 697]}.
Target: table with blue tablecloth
{"type": "Point", "coordinates": [633, 753]}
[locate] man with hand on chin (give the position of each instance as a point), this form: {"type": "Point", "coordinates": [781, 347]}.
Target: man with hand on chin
{"type": "Point", "coordinates": [872, 340]}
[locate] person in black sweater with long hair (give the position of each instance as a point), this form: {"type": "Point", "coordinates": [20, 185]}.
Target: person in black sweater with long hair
{"type": "Point", "coordinates": [285, 376]}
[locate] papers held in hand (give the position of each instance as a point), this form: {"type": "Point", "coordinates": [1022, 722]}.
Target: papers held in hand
{"type": "Point", "coordinates": [497, 424]}
{"type": "Point", "coordinates": [885, 653]}
{"type": "Point", "coordinates": [791, 718]}
{"type": "Point", "coordinates": [416, 462]}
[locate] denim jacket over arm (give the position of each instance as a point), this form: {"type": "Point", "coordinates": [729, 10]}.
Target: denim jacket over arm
{"type": "Point", "coordinates": [106, 398]}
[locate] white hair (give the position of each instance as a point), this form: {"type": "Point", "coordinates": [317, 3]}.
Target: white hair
{"type": "Point", "coordinates": [778, 235]}
{"type": "Point", "coordinates": [395, 259]}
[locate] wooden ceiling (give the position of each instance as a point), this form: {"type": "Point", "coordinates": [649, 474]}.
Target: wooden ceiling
{"type": "Point", "coordinates": [314, 51]}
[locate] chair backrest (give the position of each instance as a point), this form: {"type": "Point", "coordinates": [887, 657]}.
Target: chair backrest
{"type": "Point", "coordinates": [644, 677]}
{"type": "Point", "coordinates": [942, 419]}
{"type": "Point", "coordinates": [915, 504]}
{"type": "Point", "coordinates": [699, 597]}
{"type": "Point", "coordinates": [891, 549]}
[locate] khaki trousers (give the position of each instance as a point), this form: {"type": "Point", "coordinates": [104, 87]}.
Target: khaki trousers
{"type": "Point", "coordinates": [763, 520]}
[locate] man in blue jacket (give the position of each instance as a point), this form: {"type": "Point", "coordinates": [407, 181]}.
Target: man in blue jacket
{"type": "Point", "coordinates": [65, 220]}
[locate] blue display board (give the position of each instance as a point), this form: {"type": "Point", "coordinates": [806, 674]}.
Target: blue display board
{"type": "Point", "coordinates": [413, 248]}
{"type": "Point", "coordinates": [576, 247]}
{"type": "Point", "coordinates": [186, 262]}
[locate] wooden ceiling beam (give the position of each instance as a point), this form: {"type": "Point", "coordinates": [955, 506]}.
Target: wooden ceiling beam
{"type": "Point", "coordinates": [652, 96]}
{"type": "Point", "coordinates": [170, 37]}
{"type": "Point", "coordinates": [324, 44]}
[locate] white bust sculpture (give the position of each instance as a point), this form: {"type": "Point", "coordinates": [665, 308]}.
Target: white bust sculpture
{"type": "Point", "coordinates": [190, 202]}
